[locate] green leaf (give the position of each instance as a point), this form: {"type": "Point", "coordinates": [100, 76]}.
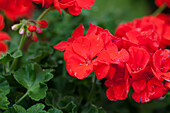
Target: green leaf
{"type": "Point", "coordinates": [63, 85]}
{"type": "Point", "coordinates": [10, 110]}
{"type": "Point", "coordinates": [4, 86]}
{"type": "Point", "coordinates": [52, 98]}
{"type": "Point", "coordinates": [3, 101]}
{"type": "Point", "coordinates": [37, 108]}
{"type": "Point", "coordinates": [55, 110]}
{"type": "Point", "coordinates": [68, 104]}
{"type": "Point", "coordinates": [9, 57]}
{"type": "Point", "coordinates": [5, 58]}
{"type": "Point", "coordinates": [33, 78]}
{"type": "Point", "coordinates": [19, 109]}
{"type": "Point", "coordinates": [17, 54]}
{"type": "Point", "coordinates": [91, 108]}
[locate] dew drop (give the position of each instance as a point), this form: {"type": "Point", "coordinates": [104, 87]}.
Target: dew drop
{"type": "Point", "coordinates": [75, 74]}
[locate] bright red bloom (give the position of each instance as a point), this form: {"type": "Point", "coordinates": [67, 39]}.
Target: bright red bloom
{"type": "Point", "coordinates": [147, 32]}
{"type": "Point", "coordinates": [138, 61]}
{"type": "Point", "coordinates": [15, 9]}
{"type": "Point", "coordinates": [151, 89]}
{"type": "Point", "coordinates": [107, 37]}
{"type": "Point", "coordinates": [79, 57]}
{"type": "Point", "coordinates": [119, 85]}
{"type": "Point", "coordinates": [3, 36]}
{"type": "Point", "coordinates": [161, 2]}
{"type": "Point", "coordinates": [165, 18]}
{"type": "Point", "coordinates": [166, 28]}
{"type": "Point", "coordinates": [74, 7]}
{"type": "Point", "coordinates": [161, 64]}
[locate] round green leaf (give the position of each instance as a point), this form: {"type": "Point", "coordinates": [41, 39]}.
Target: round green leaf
{"type": "Point", "coordinates": [33, 78]}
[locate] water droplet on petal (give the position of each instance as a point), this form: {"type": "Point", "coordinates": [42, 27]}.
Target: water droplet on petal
{"type": "Point", "coordinates": [75, 74]}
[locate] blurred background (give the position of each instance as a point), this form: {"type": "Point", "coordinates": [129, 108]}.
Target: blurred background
{"type": "Point", "coordinates": [69, 93]}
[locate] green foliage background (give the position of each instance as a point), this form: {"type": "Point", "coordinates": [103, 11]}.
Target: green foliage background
{"type": "Point", "coordinates": [64, 93]}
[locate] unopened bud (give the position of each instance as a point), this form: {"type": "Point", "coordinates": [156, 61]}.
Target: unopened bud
{"type": "Point", "coordinates": [15, 27]}
{"type": "Point", "coordinates": [28, 33]}
{"type": "Point", "coordinates": [34, 37]}
{"type": "Point", "coordinates": [39, 31]}
{"type": "Point", "coordinates": [21, 31]}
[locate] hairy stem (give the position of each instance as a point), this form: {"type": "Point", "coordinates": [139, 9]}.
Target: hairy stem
{"type": "Point", "coordinates": [23, 39]}
{"type": "Point", "coordinates": [22, 98]}
{"type": "Point", "coordinates": [44, 13]}
{"type": "Point", "coordinates": [159, 10]}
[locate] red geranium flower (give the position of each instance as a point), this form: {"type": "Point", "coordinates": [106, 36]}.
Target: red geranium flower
{"type": "Point", "coordinates": [15, 9]}
{"type": "Point", "coordinates": [151, 89]}
{"type": "Point", "coordinates": [138, 61]}
{"type": "Point", "coordinates": [3, 36]}
{"type": "Point", "coordinates": [161, 64]}
{"type": "Point", "coordinates": [80, 57]}
{"type": "Point", "coordinates": [118, 85]}
{"type": "Point", "coordinates": [74, 7]}
{"type": "Point", "coordinates": [147, 32]}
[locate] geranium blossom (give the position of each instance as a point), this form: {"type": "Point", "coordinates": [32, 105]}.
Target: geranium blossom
{"type": "Point", "coordinates": [3, 36]}
{"type": "Point", "coordinates": [73, 7]}
{"type": "Point", "coordinates": [14, 9]}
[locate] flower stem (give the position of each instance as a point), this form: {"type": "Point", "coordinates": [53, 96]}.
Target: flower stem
{"type": "Point", "coordinates": [23, 39]}
{"type": "Point", "coordinates": [90, 97]}
{"type": "Point", "coordinates": [22, 98]}
{"type": "Point", "coordinates": [44, 13]}
{"type": "Point", "coordinates": [159, 10]}
{"type": "Point", "coordinates": [4, 68]}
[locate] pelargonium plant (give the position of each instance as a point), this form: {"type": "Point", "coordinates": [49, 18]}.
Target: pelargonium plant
{"type": "Point", "coordinates": [134, 62]}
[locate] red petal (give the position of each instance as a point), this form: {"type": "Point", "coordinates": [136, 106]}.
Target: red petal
{"type": "Point", "coordinates": [96, 45]}
{"type": "Point", "coordinates": [43, 23]}
{"type": "Point", "coordinates": [85, 4]}
{"type": "Point", "coordinates": [139, 85]}
{"type": "Point", "coordinates": [92, 29]}
{"type": "Point", "coordinates": [139, 59]}
{"type": "Point", "coordinates": [156, 88]}
{"type": "Point", "coordinates": [3, 47]}
{"type": "Point", "coordinates": [141, 97]}
{"type": "Point", "coordinates": [62, 46]}
{"type": "Point", "coordinates": [4, 36]}
{"type": "Point", "coordinates": [82, 46]}
{"type": "Point", "coordinates": [79, 31]}
{"type": "Point", "coordinates": [102, 64]}
{"type": "Point", "coordinates": [111, 72]}
{"type": "Point", "coordinates": [57, 6]}
{"type": "Point", "coordinates": [1, 22]}
{"type": "Point", "coordinates": [74, 10]}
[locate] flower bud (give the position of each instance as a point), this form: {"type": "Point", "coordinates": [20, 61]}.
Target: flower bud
{"type": "Point", "coordinates": [32, 28]}
{"type": "Point", "coordinates": [39, 30]}
{"type": "Point", "coordinates": [15, 27]}
{"type": "Point", "coordinates": [21, 31]}
{"type": "Point", "coordinates": [43, 23]}
{"type": "Point", "coordinates": [34, 37]}
{"type": "Point", "coordinates": [28, 33]}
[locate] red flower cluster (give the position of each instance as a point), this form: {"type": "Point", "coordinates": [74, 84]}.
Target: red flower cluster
{"type": "Point", "coordinates": [161, 2]}
{"type": "Point", "coordinates": [3, 36]}
{"type": "Point", "coordinates": [10, 8]}
{"type": "Point", "coordinates": [134, 57]}
{"type": "Point", "coordinates": [36, 28]}
{"type": "Point", "coordinates": [73, 7]}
